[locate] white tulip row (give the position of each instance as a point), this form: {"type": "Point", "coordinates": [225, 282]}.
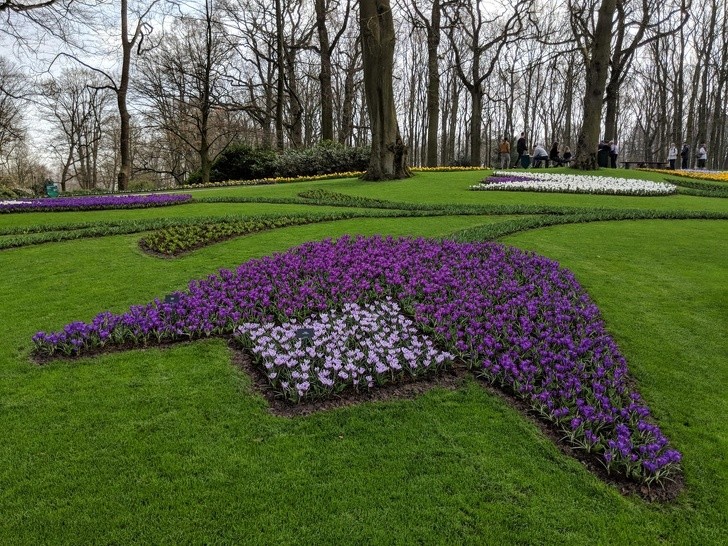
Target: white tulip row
{"type": "Point", "coordinates": [569, 183]}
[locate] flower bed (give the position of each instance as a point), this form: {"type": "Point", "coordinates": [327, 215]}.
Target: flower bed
{"type": "Point", "coordinates": [518, 319]}
{"type": "Point", "coordinates": [360, 347]}
{"type": "Point", "coordinates": [569, 183]}
{"type": "Point", "coordinates": [94, 202]}
{"type": "Point", "coordinates": [716, 176]}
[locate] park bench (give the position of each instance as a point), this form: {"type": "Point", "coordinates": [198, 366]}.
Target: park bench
{"type": "Point", "coordinates": [641, 164]}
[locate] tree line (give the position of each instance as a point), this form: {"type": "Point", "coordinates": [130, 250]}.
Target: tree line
{"type": "Point", "coordinates": [152, 91]}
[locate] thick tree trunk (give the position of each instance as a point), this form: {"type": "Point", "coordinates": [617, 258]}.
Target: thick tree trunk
{"type": "Point", "coordinates": [124, 117]}
{"type": "Point", "coordinates": [388, 158]}
{"type": "Point", "coordinates": [327, 101]}
{"type": "Point", "coordinates": [347, 108]}
{"type": "Point", "coordinates": [280, 71]}
{"type": "Point", "coordinates": [433, 83]}
{"type": "Point", "coordinates": [596, 79]}
{"type": "Point", "coordinates": [612, 104]}
{"type": "Point", "coordinates": [476, 124]}
{"type": "Point", "coordinates": [205, 107]}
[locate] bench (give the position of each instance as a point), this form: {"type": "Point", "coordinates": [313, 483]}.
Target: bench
{"type": "Point", "coordinates": [641, 164]}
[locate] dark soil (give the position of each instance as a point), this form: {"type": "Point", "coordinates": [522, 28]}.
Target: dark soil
{"type": "Point", "coordinates": [452, 379]}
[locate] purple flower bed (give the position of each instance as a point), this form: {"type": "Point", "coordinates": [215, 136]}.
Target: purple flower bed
{"type": "Point", "coordinates": [504, 178]}
{"type": "Point", "coordinates": [518, 319]}
{"type": "Point", "coordinates": [94, 202]}
{"type": "Point", "coordinates": [358, 347]}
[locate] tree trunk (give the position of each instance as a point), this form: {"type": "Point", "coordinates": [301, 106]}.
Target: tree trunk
{"type": "Point", "coordinates": [124, 117]}
{"type": "Point", "coordinates": [388, 158]}
{"type": "Point", "coordinates": [327, 101]}
{"type": "Point", "coordinates": [433, 83]}
{"type": "Point", "coordinates": [280, 75]}
{"type": "Point", "coordinates": [596, 79]}
{"type": "Point", "coordinates": [476, 124]}
{"type": "Point", "coordinates": [205, 107]}
{"type": "Point", "coordinates": [612, 103]}
{"type": "Point", "coordinates": [347, 108]}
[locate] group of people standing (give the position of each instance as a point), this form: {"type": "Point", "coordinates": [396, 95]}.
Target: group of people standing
{"type": "Point", "coordinates": [540, 155]}
{"type": "Point", "coordinates": [702, 155]}
{"type": "Point", "coordinates": [606, 148]}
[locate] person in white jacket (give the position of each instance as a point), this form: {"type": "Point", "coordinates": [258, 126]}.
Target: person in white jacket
{"type": "Point", "coordinates": [672, 155]}
{"type": "Point", "coordinates": [702, 155]}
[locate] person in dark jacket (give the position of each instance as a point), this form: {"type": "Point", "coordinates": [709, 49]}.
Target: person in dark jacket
{"type": "Point", "coordinates": [685, 156]}
{"type": "Point", "coordinates": [521, 148]}
{"type": "Point", "coordinates": [554, 155]}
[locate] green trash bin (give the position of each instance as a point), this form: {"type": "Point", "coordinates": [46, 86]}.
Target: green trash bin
{"type": "Point", "coordinates": [525, 161]}
{"type": "Point", "coordinates": [51, 189]}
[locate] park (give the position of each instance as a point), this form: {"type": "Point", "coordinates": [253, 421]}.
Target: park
{"type": "Point", "coordinates": [257, 332]}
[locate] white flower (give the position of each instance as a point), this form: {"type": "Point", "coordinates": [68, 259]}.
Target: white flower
{"type": "Point", "coordinates": [570, 183]}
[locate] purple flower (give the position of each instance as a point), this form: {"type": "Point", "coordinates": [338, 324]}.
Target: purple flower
{"type": "Point", "coordinates": [521, 321]}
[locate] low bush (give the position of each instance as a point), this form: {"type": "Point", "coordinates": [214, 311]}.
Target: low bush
{"type": "Point", "coordinates": [243, 162]}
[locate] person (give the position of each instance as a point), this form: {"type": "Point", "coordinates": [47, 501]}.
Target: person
{"type": "Point", "coordinates": [603, 153]}
{"type": "Point", "coordinates": [613, 153]}
{"type": "Point", "coordinates": [672, 155]}
{"type": "Point", "coordinates": [566, 157]}
{"type": "Point", "coordinates": [702, 155]}
{"type": "Point", "coordinates": [540, 155]}
{"type": "Point", "coordinates": [521, 148]}
{"type": "Point", "coordinates": [685, 156]}
{"type": "Point", "coordinates": [554, 155]}
{"type": "Point", "coordinates": [504, 149]}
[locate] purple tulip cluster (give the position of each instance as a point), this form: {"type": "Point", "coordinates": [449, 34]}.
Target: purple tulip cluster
{"type": "Point", "coordinates": [505, 178]}
{"type": "Point", "coordinates": [518, 319]}
{"type": "Point", "coordinates": [94, 202]}
{"type": "Point", "coordinates": [358, 347]}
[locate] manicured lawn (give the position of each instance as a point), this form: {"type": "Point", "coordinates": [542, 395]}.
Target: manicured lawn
{"type": "Point", "coordinates": [173, 446]}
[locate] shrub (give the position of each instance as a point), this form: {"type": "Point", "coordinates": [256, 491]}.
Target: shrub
{"type": "Point", "coordinates": [324, 158]}
{"type": "Point", "coordinates": [239, 162]}
{"type": "Point", "coordinates": [243, 162]}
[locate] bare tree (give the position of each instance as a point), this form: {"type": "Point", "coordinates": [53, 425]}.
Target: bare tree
{"type": "Point", "coordinates": [326, 46]}
{"type": "Point", "coordinates": [12, 91]}
{"type": "Point", "coordinates": [388, 158]}
{"type": "Point", "coordinates": [597, 53]}
{"type": "Point", "coordinates": [472, 36]}
{"type": "Point", "coordinates": [183, 82]}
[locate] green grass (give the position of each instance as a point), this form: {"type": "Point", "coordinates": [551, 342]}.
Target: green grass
{"type": "Point", "coordinates": [172, 445]}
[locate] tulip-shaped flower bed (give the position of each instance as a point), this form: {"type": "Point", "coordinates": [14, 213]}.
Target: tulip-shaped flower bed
{"type": "Point", "coordinates": [94, 202]}
{"type": "Point", "coordinates": [569, 183]}
{"type": "Point", "coordinates": [517, 319]}
{"type": "Point", "coordinates": [360, 347]}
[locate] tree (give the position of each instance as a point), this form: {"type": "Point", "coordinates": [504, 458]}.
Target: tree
{"type": "Point", "coordinates": [585, 157]}
{"type": "Point", "coordinates": [388, 158]}
{"type": "Point", "coordinates": [637, 25]}
{"type": "Point", "coordinates": [77, 106]}
{"type": "Point", "coordinates": [182, 81]}
{"type": "Point", "coordinates": [325, 49]}
{"type": "Point", "coordinates": [12, 89]}
{"type": "Point", "coordinates": [432, 25]}
{"type": "Point", "coordinates": [471, 37]}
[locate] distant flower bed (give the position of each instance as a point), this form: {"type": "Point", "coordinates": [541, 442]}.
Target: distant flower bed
{"type": "Point", "coordinates": [359, 347]}
{"type": "Point", "coordinates": [569, 183]}
{"type": "Point", "coordinates": [716, 176]}
{"type": "Point", "coordinates": [446, 169]}
{"type": "Point", "coordinates": [518, 319]}
{"type": "Point", "coordinates": [93, 202]}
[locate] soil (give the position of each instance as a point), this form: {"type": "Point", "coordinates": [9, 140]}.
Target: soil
{"type": "Point", "coordinates": [452, 379]}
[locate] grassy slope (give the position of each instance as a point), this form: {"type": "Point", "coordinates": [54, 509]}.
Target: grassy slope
{"type": "Point", "coordinates": [170, 445]}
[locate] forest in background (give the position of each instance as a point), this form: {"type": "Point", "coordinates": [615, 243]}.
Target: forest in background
{"type": "Point", "coordinates": [197, 77]}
